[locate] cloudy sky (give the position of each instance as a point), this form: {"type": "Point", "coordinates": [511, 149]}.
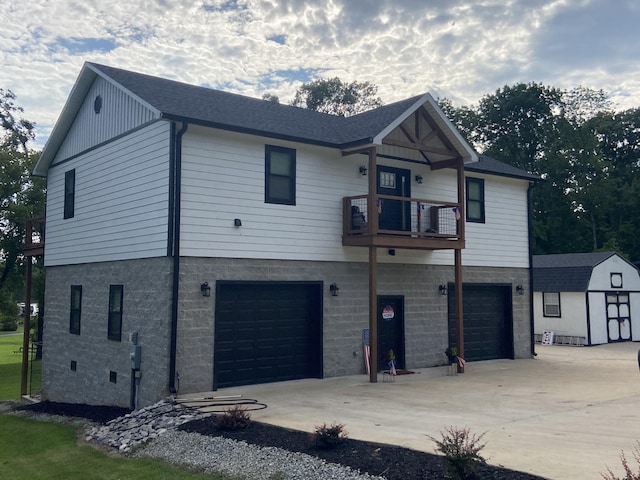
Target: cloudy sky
{"type": "Point", "coordinates": [457, 49]}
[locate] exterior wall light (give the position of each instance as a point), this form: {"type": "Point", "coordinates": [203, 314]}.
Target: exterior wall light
{"type": "Point", "coordinates": [442, 288]}
{"type": "Point", "coordinates": [237, 222]}
{"type": "Point", "coordinates": [362, 170]}
{"type": "Point", "coordinates": [520, 289]}
{"type": "Point", "coordinates": [333, 288]}
{"type": "Point", "coordinates": [418, 178]}
{"type": "Point", "coordinates": [205, 289]}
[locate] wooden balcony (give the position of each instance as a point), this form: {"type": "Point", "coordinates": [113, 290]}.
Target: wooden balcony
{"type": "Point", "coordinates": [34, 237]}
{"type": "Point", "coordinates": [403, 223]}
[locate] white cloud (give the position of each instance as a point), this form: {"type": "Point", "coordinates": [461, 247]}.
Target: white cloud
{"type": "Point", "coordinates": [455, 48]}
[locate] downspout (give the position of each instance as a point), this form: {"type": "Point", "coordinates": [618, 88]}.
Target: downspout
{"type": "Point", "coordinates": [174, 231]}
{"type": "Point", "coordinates": [530, 228]}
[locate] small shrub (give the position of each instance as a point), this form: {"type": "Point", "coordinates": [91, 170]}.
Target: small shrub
{"type": "Point", "coordinates": [329, 436]}
{"type": "Point", "coordinates": [234, 418]}
{"type": "Point", "coordinates": [628, 474]}
{"type": "Point", "coordinates": [8, 324]}
{"type": "Point", "coordinates": [461, 451]}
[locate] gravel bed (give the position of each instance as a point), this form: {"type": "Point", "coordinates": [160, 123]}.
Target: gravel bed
{"type": "Point", "coordinates": [219, 454]}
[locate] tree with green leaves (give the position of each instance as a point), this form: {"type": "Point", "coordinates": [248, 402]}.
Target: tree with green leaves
{"type": "Point", "coordinates": [21, 195]}
{"type": "Point", "coordinates": [336, 97]}
{"type": "Point", "coordinates": [586, 155]}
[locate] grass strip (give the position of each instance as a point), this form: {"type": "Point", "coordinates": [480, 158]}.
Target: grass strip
{"type": "Point", "coordinates": [34, 450]}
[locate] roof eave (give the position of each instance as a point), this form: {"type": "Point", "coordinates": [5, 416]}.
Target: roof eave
{"type": "Point", "coordinates": [463, 149]}
{"type": "Point", "coordinates": [65, 120]}
{"type": "Point", "coordinates": [79, 91]}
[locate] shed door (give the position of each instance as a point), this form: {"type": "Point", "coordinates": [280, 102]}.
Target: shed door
{"type": "Point", "coordinates": [267, 332]}
{"type": "Point", "coordinates": [488, 321]}
{"type": "Point", "coordinates": [618, 317]}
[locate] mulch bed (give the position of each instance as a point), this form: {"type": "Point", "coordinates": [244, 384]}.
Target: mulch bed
{"type": "Point", "coordinates": [392, 462]}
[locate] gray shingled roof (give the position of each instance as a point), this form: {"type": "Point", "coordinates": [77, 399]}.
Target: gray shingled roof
{"type": "Point", "coordinates": [566, 272]}
{"type": "Point", "coordinates": [492, 166]}
{"type": "Point", "coordinates": [181, 101]}
{"type": "Point", "coordinates": [214, 108]}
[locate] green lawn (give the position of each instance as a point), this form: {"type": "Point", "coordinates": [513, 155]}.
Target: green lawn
{"type": "Point", "coordinates": [11, 367]}
{"type": "Point", "coordinates": [35, 450]}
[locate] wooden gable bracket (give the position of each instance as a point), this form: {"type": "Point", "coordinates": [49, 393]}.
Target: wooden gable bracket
{"type": "Point", "coordinates": [436, 131]}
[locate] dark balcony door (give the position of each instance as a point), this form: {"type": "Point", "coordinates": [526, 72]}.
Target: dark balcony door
{"type": "Point", "coordinates": [394, 214]}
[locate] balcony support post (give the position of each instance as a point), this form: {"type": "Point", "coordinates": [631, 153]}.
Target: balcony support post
{"type": "Point", "coordinates": [458, 264]}
{"type": "Point", "coordinates": [27, 328]}
{"type": "Point", "coordinates": [373, 314]}
{"type": "Point", "coordinates": [372, 214]}
{"type": "Point", "coordinates": [459, 308]}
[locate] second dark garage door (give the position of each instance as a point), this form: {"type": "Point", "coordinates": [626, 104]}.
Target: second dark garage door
{"type": "Point", "coordinates": [267, 332]}
{"type": "Point", "coordinates": [488, 321]}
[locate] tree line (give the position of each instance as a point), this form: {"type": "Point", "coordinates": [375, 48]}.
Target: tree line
{"type": "Point", "coordinates": [587, 154]}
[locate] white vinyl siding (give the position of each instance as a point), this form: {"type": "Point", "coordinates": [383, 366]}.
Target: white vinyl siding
{"type": "Point", "coordinates": [503, 239]}
{"type": "Point", "coordinates": [601, 275]}
{"type": "Point", "coordinates": [120, 113]}
{"type": "Point", "coordinates": [574, 315]}
{"type": "Point", "coordinates": [121, 201]}
{"type": "Point", "coordinates": [223, 179]}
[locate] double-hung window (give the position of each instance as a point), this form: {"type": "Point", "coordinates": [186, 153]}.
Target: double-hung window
{"type": "Point", "coordinates": [280, 175]}
{"type": "Point", "coordinates": [69, 193]}
{"type": "Point", "coordinates": [551, 304]}
{"type": "Point", "coordinates": [114, 329]}
{"type": "Point", "coordinates": [475, 200]}
{"type": "Point", "coordinates": [75, 309]}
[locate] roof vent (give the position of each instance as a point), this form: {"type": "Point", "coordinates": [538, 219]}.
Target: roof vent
{"type": "Point", "coordinates": [97, 104]}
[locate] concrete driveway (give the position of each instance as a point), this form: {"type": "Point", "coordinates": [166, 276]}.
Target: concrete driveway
{"type": "Point", "coordinates": [567, 414]}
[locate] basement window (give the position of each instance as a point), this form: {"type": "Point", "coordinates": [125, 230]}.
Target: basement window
{"type": "Point", "coordinates": [75, 309]}
{"type": "Point", "coordinates": [114, 329]}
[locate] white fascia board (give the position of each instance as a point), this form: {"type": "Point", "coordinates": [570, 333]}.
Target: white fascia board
{"type": "Point", "coordinates": [450, 131]}
{"type": "Point", "coordinates": [65, 120]}
{"type": "Point", "coordinates": [377, 140]}
{"type": "Point", "coordinates": [128, 92]}
{"type": "Point", "coordinates": [76, 98]}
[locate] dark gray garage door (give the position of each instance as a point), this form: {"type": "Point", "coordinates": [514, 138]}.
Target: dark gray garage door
{"type": "Point", "coordinates": [267, 332]}
{"type": "Point", "coordinates": [488, 321]}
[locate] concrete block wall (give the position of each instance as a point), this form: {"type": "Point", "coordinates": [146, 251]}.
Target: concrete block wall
{"type": "Point", "coordinates": [146, 310]}
{"type": "Point", "coordinates": [344, 316]}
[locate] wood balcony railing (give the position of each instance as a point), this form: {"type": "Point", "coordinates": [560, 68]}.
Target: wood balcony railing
{"type": "Point", "coordinates": [411, 223]}
{"type": "Point", "coordinates": [34, 237]}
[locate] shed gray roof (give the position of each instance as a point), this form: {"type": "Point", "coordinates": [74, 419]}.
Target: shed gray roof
{"type": "Point", "coordinates": [565, 272]}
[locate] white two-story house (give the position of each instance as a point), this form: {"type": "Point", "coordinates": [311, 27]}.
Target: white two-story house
{"type": "Point", "coordinates": [197, 239]}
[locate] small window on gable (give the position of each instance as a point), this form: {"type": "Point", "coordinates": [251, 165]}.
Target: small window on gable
{"type": "Point", "coordinates": [280, 175]}
{"type": "Point", "coordinates": [75, 309]}
{"type": "Point", "coordinates": [551, 304]}
{"type": "Point", "coordinates": [616, 280]}
{"type": "Point", "coordinates": [69, 193]}
{"type": "Point", "coordinates": [114, 329]}
{"type": "Point", "coordinates": [475, 199]}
